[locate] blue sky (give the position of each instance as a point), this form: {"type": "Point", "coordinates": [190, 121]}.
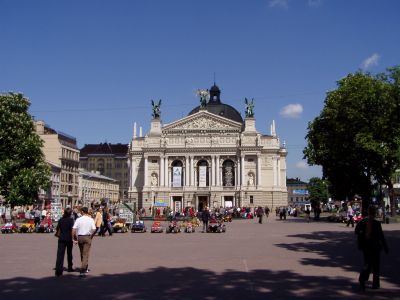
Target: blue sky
{"type": "Point", "coordinates": [91, 68]}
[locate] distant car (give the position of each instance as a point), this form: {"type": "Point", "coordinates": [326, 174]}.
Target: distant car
{"type": "Point", "coordinates": [9, 228]}
{"type": "Point", "coordinates": [138, 226]}
{"type": "Point", "coordinates": [216, 225]}
{"type": "Point", "coordinates": [156, 227]}
{"type": "Point", "coordinates": [28, 226]}
{"type": "Point", "coordinates": [120, 226]}
{"type": "Point", "coordinates": [173, 227]}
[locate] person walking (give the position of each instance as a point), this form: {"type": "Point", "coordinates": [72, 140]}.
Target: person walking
{"type": "Point", "coordinates": [83, 231]}
{"type": "Point", "coordinates": [350, 216]}
{"type": "Point", "coordinates": [267, 211]}
{"type": "Point", "coordinates": [205, 217]}
{"type": "Point", "coordinates": [64, 234]}
{"type": "Point", "coordinates": [105, 225]}
{"type": "Point", "coordinates": [98, 219]}
{"type": "Point", "coordinates": [260, 213]}
{"type": "Point", "coordinates": [308, 212]}
{"type": "Point", "coordinates": [370, 241]}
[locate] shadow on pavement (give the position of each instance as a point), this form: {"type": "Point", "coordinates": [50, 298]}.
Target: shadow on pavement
{"type": "Point", "coordinates": [339, 250]}
{"type": "Point", "coordinates": [187, 283]}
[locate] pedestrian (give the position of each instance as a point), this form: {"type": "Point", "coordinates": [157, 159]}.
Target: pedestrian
{"type": "Point", "coordinates": [371, 241]}
{"type": "Point", "coordinates": [98, 220]}
{"type": "Point", "coordinates": [267, 211]}
{"type": "Point", "coordinates": [260, 213]}
{"type": "Point", "coordinates": [205, 217]}
{"type": "Point", "coordinates": [64, 234]}
{"type": "Point", "coordinates": [350, 216]}
{"type": "Point", "coordinates": [308, 212]}
{"type": "Point", "coordinates": [83, 231]}
{"type": "Point", "coordinates": [37, 217]}
{"type": "Point", "coordinates": [105, 224]}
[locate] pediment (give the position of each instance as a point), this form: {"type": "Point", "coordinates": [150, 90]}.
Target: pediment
{"type": "Point", "coordinates": [202, 121]}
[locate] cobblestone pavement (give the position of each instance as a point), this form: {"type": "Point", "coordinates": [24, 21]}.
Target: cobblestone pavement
{"type": "Point", "coordinates": [288, 259]}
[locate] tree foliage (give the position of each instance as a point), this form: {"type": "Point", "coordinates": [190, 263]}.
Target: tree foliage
{"type": "Point", "coordinates": [23, 170]}
{"type": "Point", "coordinates": [317, 191]}
{"type": "Point", "coordinates": [356, 137]}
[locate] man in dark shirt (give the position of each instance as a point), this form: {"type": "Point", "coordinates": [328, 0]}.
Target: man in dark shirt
{"type": "Point", "coordinates": [371, 241]}
{"type": "Point", "coordinates": [64, 233]}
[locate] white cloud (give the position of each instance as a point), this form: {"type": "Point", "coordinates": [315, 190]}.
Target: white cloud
{"type": "Point", "coordinates": [278, 3]}
{"type": "Point", "coordinates": [314, 3]}
{"type": "Point", "coordinates": [301, 165]}
{"type": "Point", "coordinates": [292, 111]}
{"type": "Point", "coordinates": [373, 60]}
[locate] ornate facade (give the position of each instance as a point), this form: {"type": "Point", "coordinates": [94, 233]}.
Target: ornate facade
{"type": "Point", "coordinates": [209, 158]}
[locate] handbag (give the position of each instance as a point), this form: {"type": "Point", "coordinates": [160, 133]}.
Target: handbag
{"type": "Point", "coordinates": [58, 232]}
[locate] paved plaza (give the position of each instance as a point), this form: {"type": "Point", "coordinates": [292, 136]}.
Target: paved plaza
{"type": "Point", "coordinates": [275, 260]}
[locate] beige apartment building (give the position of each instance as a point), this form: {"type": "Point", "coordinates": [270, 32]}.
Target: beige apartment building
{"type": "Point", "coordinates": [52, 194]}
{"type": "Point", "coordinates": [110, 160]}
{"type": "Point", "coordinates": [61, 150]}
{"type": "Point", "coordinates": [95, 188]}
{"type": "Point", "coordinates": [212, 157]}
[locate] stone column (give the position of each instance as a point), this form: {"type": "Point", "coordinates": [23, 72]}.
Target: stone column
{"type": "Point", "coordinates": [258, 170]}
{"type": "Point", "coordinates": [278, 165]}
{"type": "Point", "coordinates": [212, 170]}
{"type": "Point", "coordinates": [133, 172]}
{"type": "Point", "coordinates": [242, 170]}
{"type": "Point", "coordinates": [187, 171]}
{"type": "Point", "coordinates": [274, 164]}
{"type": "Point", "coordinates": [217, 171]}
{"type": "Point", "coordinates": [167, 173]}
{"type": "Point", "coordinates": [237, 170]}
{"type": "Point", "coordinates": [191, 172]}
{"type": "Point", "coordinates": [145, 171]}
{"type": "Point", "coordinates": [162, 181]}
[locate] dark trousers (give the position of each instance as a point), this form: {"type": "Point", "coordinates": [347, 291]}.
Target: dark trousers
{"type": "Point", "coordinates": [371, 263]}
{"type": "Point", "coordinates": [84, 243]}
{"type": "Point", "coordinates": [350, 221]}
{"type": "Point", "coordinates": [260, 219]}
{"type": "Point", "coordinates": [105, 228]}
{"type": "Point", "coordinates": [205, 226]}
{"type": "Point", "coordinates": [62, 245]}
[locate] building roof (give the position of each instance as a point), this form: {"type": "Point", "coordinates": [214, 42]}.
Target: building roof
{"type": "Point", "coordinates": [95, 175]}
{"type": "Point", "coordinates": [216, 107]}
{"type": "Point", "coordinates": [104, 149]}
{"type": "Point", "coordinates": [295, 181]}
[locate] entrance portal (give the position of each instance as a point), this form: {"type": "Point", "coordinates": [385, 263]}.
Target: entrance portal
{"type": "Point", "coordinates": [203, 202]}
{"type": "Point", "coordinates": [228, 201]}
{"type": "Point", "coordinates": [177, 205]}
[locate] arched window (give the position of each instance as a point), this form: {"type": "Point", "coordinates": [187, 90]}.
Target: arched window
{"type": "Point", "coordinates": [228, 173]}
{"type": "Point", "coordinates": [100, 166]}
{"type": "Point", "coordinates": [202, 173]}
{"type": "Point", "coordinates": [177, 173]}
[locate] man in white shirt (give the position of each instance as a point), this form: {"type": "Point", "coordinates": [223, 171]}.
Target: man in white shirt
{"type": "Point", "coordinates": [82, 232]}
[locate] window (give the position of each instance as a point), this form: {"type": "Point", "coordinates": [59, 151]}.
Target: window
{"type": "Point", "coordinates": [202, 173]}
{"type": "Point", "coordinates": [251, 200]}
{"type": "Point", "coordinates": [177, 173]}
{"type": "Point", "coordinates": [228, 173]}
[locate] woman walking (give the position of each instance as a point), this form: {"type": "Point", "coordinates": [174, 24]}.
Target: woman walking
{"type": "Point", "coordinates": [64, 234]}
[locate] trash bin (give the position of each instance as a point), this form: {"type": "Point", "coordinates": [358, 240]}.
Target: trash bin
{"type": "Point", "coordinates": [387, 220]}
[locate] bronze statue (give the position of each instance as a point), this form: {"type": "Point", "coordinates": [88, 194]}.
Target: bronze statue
{"type": "Point", "coordinates": [204, 97]}
{"type": "Point", "coordinates": [249, 108]}
{"type": "Point", "coordinates": [156, 109]}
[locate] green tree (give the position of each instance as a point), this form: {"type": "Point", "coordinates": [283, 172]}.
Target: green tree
{"type": "Point", "coordinates": [23, 169]}
{"type": "Point", "coordinates": [356, 137]}
{"type": "Point", "coordinates": [318, 191]}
